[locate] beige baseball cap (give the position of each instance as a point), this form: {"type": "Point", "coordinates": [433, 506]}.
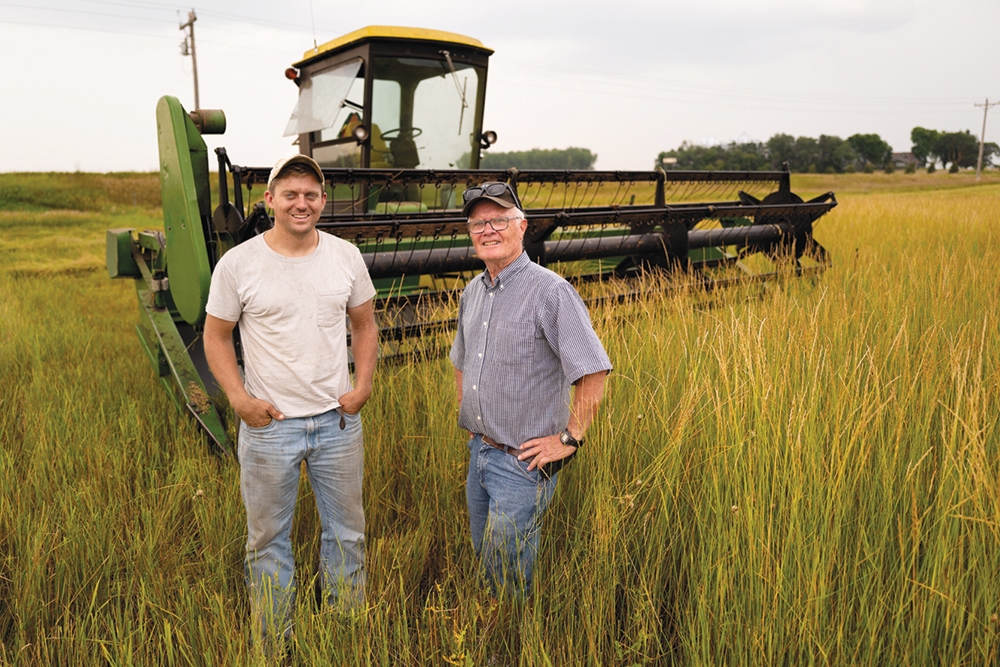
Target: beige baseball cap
{"type": "Point", "coordinates": [298, 158]}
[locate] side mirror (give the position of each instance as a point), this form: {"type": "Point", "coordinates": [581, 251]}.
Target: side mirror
{"type": "Point", "coordinates": [488, 138]}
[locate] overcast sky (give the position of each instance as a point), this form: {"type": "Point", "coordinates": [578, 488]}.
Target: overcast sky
{"type": "Point", "coordinates": [625, 79]}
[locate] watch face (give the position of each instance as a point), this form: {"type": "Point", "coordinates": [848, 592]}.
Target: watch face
{"type": "Point", "coordinates": [565, 437]}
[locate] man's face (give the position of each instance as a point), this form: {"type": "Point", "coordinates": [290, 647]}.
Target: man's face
{"type": "Point", "coordinates": [497, 248]}
{"type": "Point", "coordinates": [297, 202]}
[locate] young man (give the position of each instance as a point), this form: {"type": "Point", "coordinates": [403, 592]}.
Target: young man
{"type": "Point", "coordinates": [524, 338]}
{"type": "Point", "coordinates": [290, 290]}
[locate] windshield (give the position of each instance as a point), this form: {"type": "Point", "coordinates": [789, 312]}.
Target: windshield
{"type": "Point", "coordinates": [423, 113]}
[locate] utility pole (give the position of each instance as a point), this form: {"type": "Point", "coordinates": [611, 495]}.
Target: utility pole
{"type": "Point", "coordinates": [982, 137]}
{"type": "Point", "coordinates": [194, 60]}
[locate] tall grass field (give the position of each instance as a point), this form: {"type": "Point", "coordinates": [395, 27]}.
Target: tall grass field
{"type": "Point", "coordinates": [804, 473]}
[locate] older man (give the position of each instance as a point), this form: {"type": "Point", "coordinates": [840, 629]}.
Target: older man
{"type": "Point", "coordinates": [290, 291]}
{"type": "Point", "coordinates": [524, 339]}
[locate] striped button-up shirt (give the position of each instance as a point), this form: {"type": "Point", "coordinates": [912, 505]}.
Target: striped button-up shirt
{"type": "Point", "coordinates": [522, 341]}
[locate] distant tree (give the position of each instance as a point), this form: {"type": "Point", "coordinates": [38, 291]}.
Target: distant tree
{"type": "Point", "coordinates": [733, 157]}
{"type": "Point", "coordinates": [806, 155]}
{"type": "Point", "coordinates": [828, 154]}
{"type": "Point", "coordinates": [990, 150]}
{"type": "Point", "coordinates": [781, 148]}
{"type": "Point", "coordinates": [749, 156]}
{"type": "Point", "coordinates": [538, 158]}
{"type": "Point", "coordinates": [923, 143]}
{"type": "Point", "coordinates": [690, 156]}
{"type": "Point", "coordinates": [803, 154]}
{"type": "Point", "coordinates": [870, 148]}
{"type": "Point", "coordinates": [961, 149]}
{"type": "Point", "coordinates": [834, 154]}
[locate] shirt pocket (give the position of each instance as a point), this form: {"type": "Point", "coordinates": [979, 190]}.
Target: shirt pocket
{"type": "Point", "coordinates": [330, 308]}
{"type": "Point", "coordinates": [514, 343]}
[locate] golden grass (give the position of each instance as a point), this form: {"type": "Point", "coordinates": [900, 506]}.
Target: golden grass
{"type": "Point", "coordinates": [804, 473]}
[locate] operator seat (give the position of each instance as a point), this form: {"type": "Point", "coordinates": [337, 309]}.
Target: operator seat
{"type": "Point", "coordinates": [404, 152]}
{"type": "Point", "coordinates": [379, 151]}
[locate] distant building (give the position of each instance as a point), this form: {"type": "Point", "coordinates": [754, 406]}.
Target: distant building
{"type": "Point", "coordinates": [902, 160]}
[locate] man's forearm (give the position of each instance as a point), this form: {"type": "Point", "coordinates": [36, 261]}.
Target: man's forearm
{"type": "Point", "coordinates": [587, 395]}
{"type": "Point", "coordinates": [364, 346]}
{"type": "Point", "coordinates": [221, 356]}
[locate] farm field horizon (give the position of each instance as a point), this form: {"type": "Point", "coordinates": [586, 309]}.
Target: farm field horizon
{"type": "Point", "coordinates": [801, 473]}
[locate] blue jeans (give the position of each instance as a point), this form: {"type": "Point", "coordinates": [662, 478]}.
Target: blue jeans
{"type": "Point", "coordinates": [506, 506]}
{"type": "Point", "coordinates": [270, 462]}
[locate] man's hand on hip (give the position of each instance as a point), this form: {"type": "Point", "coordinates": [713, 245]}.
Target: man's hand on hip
{"type": "Point", "coordinates": [544, 450]}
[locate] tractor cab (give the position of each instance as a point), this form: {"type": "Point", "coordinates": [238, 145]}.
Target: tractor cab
{"type": "Point", "coordinates": [391, 98]}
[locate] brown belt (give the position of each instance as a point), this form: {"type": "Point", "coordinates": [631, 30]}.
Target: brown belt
{"type": "Point", "coordinates": [507, 449]}
{"type": "Point", "coordinates": [549, 469]}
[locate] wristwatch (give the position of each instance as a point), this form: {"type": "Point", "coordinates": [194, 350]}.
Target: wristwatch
{"type": "Point", "coordinates": [567, 439]}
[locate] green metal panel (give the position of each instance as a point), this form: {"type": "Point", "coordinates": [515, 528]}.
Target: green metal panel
{"type": "Point", "coordinates": [118, 254]}
{"type": "Point", "coordinates": [147, 340]}
{"type": "Point", "coordinates": [186, 203]}
{"type": "Point", "coordinates": [163, 345]}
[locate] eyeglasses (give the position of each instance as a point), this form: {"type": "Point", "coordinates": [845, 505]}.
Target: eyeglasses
{"type": "Point", "coordinates": [495, 189]}
{"type": "Point", "coordinates": [498, 225]}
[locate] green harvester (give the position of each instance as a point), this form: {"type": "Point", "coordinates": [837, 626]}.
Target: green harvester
{"type": "Point", "coordinates": [395, 118]}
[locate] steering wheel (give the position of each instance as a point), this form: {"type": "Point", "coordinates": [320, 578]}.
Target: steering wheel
{"type": "Point", "coordinates": [401, 133]}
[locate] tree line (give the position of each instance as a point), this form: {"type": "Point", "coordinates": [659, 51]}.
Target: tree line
{"type": "Point", "coordinates": [540, 158]}
{"type": "Point", "coordinates": [959, 149]}
{"type": "Point", "coordinates": [829, 154]}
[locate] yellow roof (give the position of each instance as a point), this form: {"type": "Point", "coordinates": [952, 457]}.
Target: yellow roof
{"type": "Point", "coordinates": [392, 32]}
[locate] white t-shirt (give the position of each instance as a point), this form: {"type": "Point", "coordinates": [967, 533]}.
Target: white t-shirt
{"type": "Point", "coordinates": [292, 317]}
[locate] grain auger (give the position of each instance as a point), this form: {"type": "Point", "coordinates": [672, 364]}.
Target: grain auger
{"type": "Point", "coordinates": [394, 117]}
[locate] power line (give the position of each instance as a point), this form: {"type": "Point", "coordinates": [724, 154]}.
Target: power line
{"type": "Point", "coordinates": [146, 5]}
{"type": "Point", "coordinates": [149, 6]}
{"type": "Point", "coordinates": [76, 27]}
{"type": "Point", "coordinates": [239, 18]}
{"type": "Point", "coordinates": [81, 11]}
{"type": "Point", "coordinates": [632, 82]}
{"type": "Point", "coordinates": [760, 101]}
{"type": "Point", "coordinates": [173, 9]}
{"type": "Point", "coordinates": [133, 33]}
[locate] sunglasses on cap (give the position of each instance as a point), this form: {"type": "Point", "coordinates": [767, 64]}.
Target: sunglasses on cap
{"type": "Point", "coordinates": [496, 189]}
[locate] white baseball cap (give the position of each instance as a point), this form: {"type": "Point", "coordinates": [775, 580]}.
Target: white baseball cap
{"type": "Point", "coordinates": [298, 158]}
